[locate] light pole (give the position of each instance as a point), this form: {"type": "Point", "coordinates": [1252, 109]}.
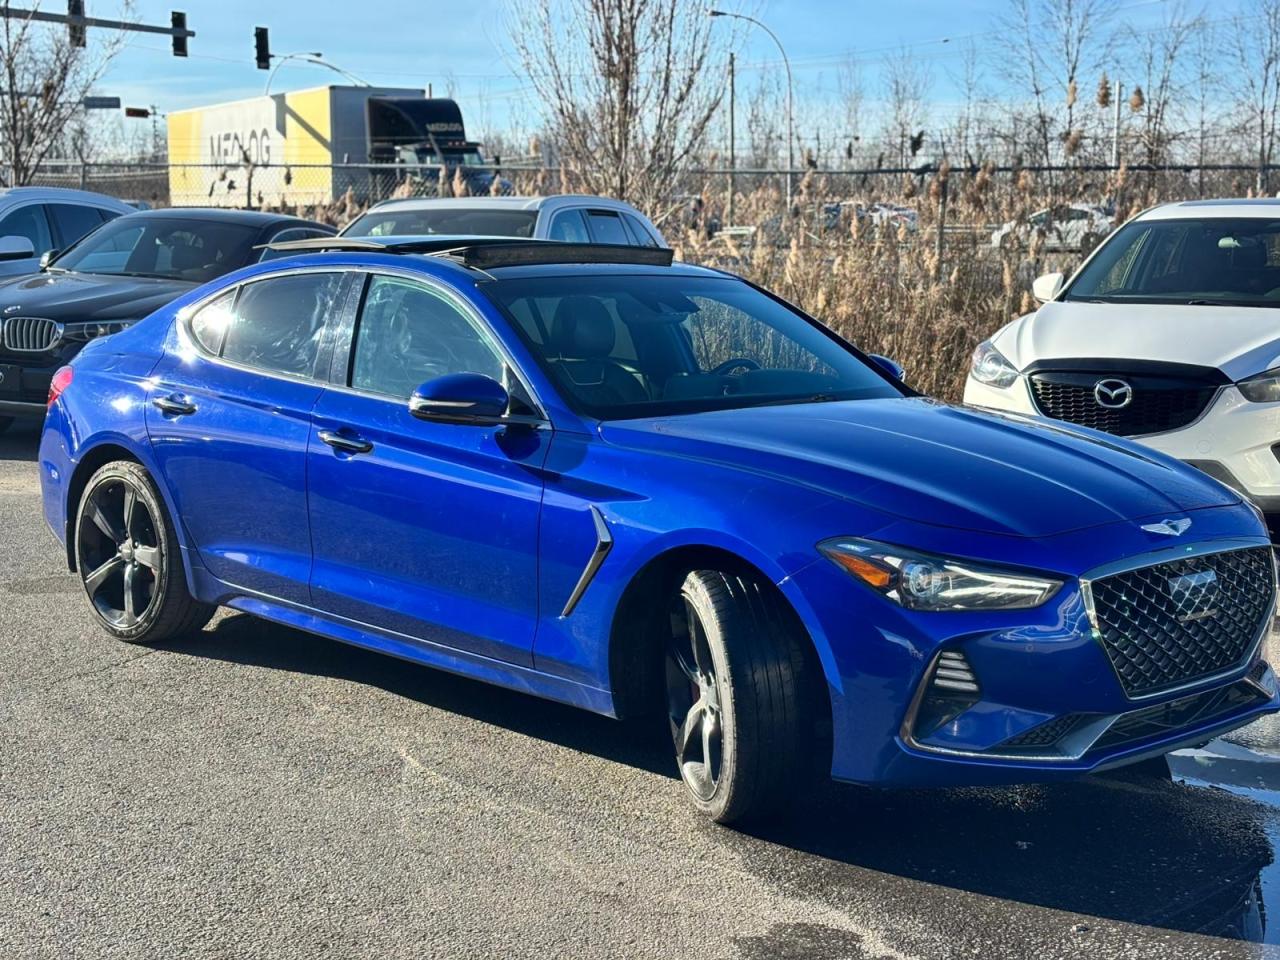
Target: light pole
{"type": "Point", "coordinates": [790, 91]}
{"type": "Point", "coordinates": [315, 59]}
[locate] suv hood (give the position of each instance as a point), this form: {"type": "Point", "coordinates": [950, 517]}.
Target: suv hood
{"type": "Point", "coordinates": [75, 297]}
{"type": "Point", "coordinates": [927, 462]}
{"type": "Point", "coordinates": [1239, 341]}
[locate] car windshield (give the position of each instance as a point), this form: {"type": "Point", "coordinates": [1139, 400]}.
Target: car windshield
{"type": "Point", "coordinates": [165, 247]}
{"type": "Point", "coordinates": [647, 345]}
{"type": "Point", "coordinates": [447, 221]}
{"type": "Point", "coordinates": [1218, 261]}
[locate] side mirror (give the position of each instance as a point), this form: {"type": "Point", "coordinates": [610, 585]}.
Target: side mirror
{"type": "Point", "coordinates": [47, 258]}
{"type": "Point", "coordinates": [468, 398]}
{"type": "Point", "coordinates": [1047, 287]}
{"type": "Point", "coordinates": [891, 367]}
{"type": "Point", "coordinates": [16, 248]}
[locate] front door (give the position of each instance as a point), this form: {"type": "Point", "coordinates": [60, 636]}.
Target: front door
{"type": "Point", "coordinates": [426, 530]}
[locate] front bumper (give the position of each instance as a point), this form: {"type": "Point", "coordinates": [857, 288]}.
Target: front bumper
{"type": "Point", "coordinates": [1234, 440]}
{"type": "Point", "coordinates": [1050, 704]}
{"type": "Point", "coordinates": [24, 382]}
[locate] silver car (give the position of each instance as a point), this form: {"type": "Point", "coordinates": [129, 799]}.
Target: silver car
{"type": "Point", "coordinates": [35, 221]}
{"type": "Point", "coordinates": [568, 217]}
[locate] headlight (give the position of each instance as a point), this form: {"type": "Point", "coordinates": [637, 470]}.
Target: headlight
{"type": "Point", "coordinates": [1264, 388]}
{"type": "Point", "coordinates": [921, 581]}
{"type": "Point", "coordinates": [990, 367]}
{"type": "Point", "coordinates": [90, 331]}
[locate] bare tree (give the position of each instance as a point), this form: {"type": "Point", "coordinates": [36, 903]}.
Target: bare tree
{"type": "Point", "coordinates": [907, 83]}
{"type": "Point", "coordinates": [1164, 80]}
{"type": "Point", "coordinates": [630, 87]}
{"type": "Point", "coordinates": [45, 80]}
{"type": "Point", "coordinates": [1255, 45]}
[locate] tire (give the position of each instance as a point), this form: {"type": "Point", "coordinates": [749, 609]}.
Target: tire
{"type": "Point", "coordinates": [128, 558]}
{"type": "Point", "coordinates": [736, 673]}
{"type": "Point", "coordinates": [5, 423]}
{"type": "Point", "coordinates": [1088, 242]}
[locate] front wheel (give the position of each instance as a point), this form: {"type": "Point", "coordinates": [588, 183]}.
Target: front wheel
{"type": "Point", "coordinates": [735, 672]}
{"type": "Point", "coordinates": [128, 558]}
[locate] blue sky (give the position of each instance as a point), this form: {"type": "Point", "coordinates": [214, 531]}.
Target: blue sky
{"type": "Point", "coordinates": [417, 42]}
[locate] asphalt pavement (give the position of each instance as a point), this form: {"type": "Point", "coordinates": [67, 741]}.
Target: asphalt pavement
{"type": "Point", "coordinates": [254, 791]}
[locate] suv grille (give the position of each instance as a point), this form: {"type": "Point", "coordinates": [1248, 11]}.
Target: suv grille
{"type": "Point", "coordinates": [1156, 404]}
{"type": "Point", "coordinates": [1176, 622]}
{"type": "Point", "coordinates": [29, 334]}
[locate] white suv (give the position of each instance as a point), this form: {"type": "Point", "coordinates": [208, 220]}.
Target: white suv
{"type": "Point", "coordinates": [1169, 334]}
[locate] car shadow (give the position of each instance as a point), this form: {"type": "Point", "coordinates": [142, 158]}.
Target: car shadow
{"type": "Point", "coordinates": [1161, 854]}
{"type": "Point", "coordinates": [243, 639]}
{"type": "Point", "coordinates": [21, 442]}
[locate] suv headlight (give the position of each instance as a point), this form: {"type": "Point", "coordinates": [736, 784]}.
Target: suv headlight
{"type": "Point", "coordinates": [990, 367]}
{"type": "Point", "coordinates": [1264, 388]}
{"type": "Point", "coordinates": [92, 330]}
{"type": "Point", "coordinates": [921, 581]}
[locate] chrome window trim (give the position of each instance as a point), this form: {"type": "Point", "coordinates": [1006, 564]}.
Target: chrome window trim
{"type": "Point", "coordinates": [1167, 555]}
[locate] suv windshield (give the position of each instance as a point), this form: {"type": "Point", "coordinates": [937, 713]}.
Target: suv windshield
{"type": "Point", "coordinates": [1232, 262]}
{"type": "Point", "coordinates": [447, 221]}
{"type": "Point", "coordinates": [165, 247]}
{"type": "Point", "coordinates": [647, 345]}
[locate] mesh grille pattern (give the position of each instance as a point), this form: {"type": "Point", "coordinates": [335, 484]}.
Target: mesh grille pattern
{"type": "Point", "coordinates": [28, 334]}
{"type": "Point", "coordinates": [1150, 410]}
{"type": "Point", "coordinates": [1176, 622]}
{"type": "Point", "coordinates": [1045, 734]}
{"type": "Point", "coordinates": [1195, 710]}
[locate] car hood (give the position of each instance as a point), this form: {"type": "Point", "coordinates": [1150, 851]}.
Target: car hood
{"type": "Point", "coordinates": [1239, 341]}
{"type": "Point", "coordinates": [931, 463]}
{"type": "Point", "coordinates": [74, 297]}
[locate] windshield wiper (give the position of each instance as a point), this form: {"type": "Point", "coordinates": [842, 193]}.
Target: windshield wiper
{"type": "Point", "coordinates": [1230, 303]}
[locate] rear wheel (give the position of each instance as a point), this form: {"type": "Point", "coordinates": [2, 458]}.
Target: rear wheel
{"type": "Point", "coordinates": [129, 560]}
{"type": "Point", "coordinates": [735, 671]}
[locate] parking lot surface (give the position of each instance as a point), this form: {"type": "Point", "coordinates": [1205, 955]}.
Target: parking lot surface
{"type": "Point", "coordinates": [255, 791]}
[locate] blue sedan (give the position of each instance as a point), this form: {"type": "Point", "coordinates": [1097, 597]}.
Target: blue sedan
{"type": "Point", "coordinates": [641, 487]}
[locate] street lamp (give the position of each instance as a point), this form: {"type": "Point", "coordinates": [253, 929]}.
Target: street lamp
{"type": "Point", "coordinates": [790, 91]}
{"type": "Point", "coordinates": [315, 59]}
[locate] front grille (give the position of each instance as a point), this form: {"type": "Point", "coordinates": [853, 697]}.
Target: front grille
{"type": "Point", "coordinates": [1177, 622]}
{"type": "Point", "coordinates": [28, 334]}
{"type": "Point", "coordinates": [1156, 404]}
{"type": "Point", "coordinates": [1198, 709]}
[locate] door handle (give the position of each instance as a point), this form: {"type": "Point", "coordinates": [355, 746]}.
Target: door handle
{"type": "Point", "coordinates": [345, 443]}
{"type": "Point", "coordinates": [174, 405]}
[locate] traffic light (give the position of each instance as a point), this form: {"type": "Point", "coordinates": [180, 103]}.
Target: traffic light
{"type": "Point", "coordinates": [75, 8]}
{"type": "Point", "coordinates": [137, 113]}
{"type": "Point", "coordinates": [262, 48]}
{"type": "Point", "coordinates": [179, 21]}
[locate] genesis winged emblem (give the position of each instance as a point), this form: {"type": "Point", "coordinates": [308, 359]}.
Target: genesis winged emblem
{"type": "Point", "coordinates": [1173, 528]}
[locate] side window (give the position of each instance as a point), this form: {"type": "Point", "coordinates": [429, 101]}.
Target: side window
{"type": "Point", "coordinates": [409, 334]}
{"type": "Point", "coordinates": [278, 322]}
{"type": "Point", "coordinates": [569, 226]}
{"type": "Point", "coordinates": [209, 323]}
{"type": "Point", "coordinates": [73, 221]}
{"type": "Point", "coordinates": [606, 227]}
{"type": "Point", "coordinates": [293, 233]}
{"type": "Point", "coordinates": [29, 222]}
{"type": "Point", "coordinates": [643, 238]}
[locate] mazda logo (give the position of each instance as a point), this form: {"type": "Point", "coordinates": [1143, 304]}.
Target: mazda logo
{"type": "Point", "coordinates": [1113, 394]}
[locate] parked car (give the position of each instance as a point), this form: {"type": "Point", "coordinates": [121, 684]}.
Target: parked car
{"type": "Point", "coordinates": [593, 475]}
{"type": "Point", "coordinates": [1170, 334]}
{"type": "Point", "coordinates": [568, 217]}
{"type": "Point", "coordinates": [893, 215]}
{"type": "Point", "coordinates": [1073, 228]}
{"type": "Point", "coordinates": [114, 277]}
{"type": "Point", "coordinates": [35, 221]}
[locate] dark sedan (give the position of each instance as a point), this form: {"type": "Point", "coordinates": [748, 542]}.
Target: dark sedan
{"type": "Point", "coordinates": [116, 275]}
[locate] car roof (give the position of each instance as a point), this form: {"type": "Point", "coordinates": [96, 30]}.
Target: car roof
{"type": "Point", "coordinates": [10, 195]}
{"type": "Point", "coordinates": [252, 218]}
{"type": "Point", "coordinates": [501, 203]}
{"type": "Point", "coordinates": [1265, 208]}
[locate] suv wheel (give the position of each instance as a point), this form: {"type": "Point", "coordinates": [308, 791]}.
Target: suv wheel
{"type": "Point", "coordinates": [129, 560]}
{"type": "Point", "coordinates": [735, 669]}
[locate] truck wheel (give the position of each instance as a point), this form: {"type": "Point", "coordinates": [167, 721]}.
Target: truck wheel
{"type": "Point", "coordinates": [735, 672]}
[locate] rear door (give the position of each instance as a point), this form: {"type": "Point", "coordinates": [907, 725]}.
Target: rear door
{"type": "Point", "coordinates": [426, 530]}
{"type": "Point", "coordinates": [230, 417]}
